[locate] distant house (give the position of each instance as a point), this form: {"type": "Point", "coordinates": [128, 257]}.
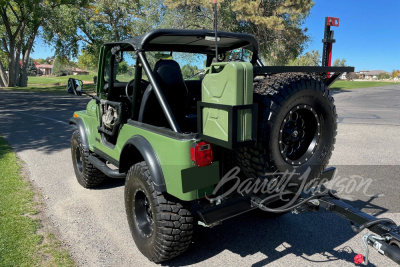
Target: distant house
{"type": "Point", "coordinates": [76, 71]}
{"type": "Point", "coordinates": [44, 69]}
{"type": "Point", "coordinates": [370, 74]}
{"type": "Point", "coordinates": [361, 73]}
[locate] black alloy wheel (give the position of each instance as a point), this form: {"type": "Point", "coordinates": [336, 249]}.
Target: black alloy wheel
{"type": "Point", "coordinates": [299, 134]}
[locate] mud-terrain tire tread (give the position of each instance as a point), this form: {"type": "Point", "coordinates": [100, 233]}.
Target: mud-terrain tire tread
{"type": "Point", "coordinates": [173, 218]}
{"type": "Point", "coordinates": [90, 176]}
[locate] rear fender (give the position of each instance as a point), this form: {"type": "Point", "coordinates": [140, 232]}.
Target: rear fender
{"type": "Point", "coordinates": [130, 155]}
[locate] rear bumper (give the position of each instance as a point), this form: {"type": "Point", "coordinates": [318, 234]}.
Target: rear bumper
{"type": "Point", "coordinates": [237, 206]}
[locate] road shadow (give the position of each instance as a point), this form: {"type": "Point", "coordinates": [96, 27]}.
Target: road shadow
{"type": "Point", "coordinates": [110, 184]}
{"type": "Point", "coordinates": [318, 235]}
{"type": "Point", "coordinates": [338, 91]}
{"type": "Point", "coordinates": [38, 121]}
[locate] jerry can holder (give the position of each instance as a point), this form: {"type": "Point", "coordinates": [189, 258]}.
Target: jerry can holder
{"type": "Point", "coordinates": [232, 142]}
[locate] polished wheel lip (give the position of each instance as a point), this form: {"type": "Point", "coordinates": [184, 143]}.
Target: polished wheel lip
{"type": "Point", "coordinates": [312, 146]}
{"type": "Point", "coordinates": [145, 219]}
{"type": "Point", "coordinates": [78, 160]}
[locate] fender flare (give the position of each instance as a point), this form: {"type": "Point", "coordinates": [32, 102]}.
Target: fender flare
{"type": "Point", "coordinates": [82, 131]}
{"type": "Point", "coordinates": [151, 159]}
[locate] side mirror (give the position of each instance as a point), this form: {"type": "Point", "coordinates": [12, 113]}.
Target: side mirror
{"type": "Point", "coordinates": [74, 87]}
{"type": "Point", "coordinates": [95, 80]}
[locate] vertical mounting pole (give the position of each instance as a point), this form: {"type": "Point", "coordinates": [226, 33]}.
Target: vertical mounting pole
{"type": "Point", "coordinates": [216, 35]}
{"type": "Point", "coordinates": [328, 41]}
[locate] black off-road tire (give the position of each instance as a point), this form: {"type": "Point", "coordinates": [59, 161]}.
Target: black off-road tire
{"type": "Point", "coordinates": [167, 229]}
{"type": "Point", "coordinates": [86, 173]}
{"type": "Point", "coordinates": [276, 96]}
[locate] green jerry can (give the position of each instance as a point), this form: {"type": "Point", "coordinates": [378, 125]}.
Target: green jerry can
{"type": "Point", "coordinates": [227, 83]}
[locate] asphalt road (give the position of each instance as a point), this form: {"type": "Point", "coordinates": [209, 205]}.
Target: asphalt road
{"type": "Point", "coordinates": [93, 222]}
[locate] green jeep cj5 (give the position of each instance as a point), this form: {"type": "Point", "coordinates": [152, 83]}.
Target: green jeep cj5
{"type": "Point", "coordinates": [173, 138]}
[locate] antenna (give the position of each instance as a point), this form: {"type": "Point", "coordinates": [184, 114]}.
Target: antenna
{"type": "Point", "coordinates": [216, 35]}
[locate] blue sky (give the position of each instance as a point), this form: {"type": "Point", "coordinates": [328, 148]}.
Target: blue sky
{"type": "Point", "coordinates": [368, 36]}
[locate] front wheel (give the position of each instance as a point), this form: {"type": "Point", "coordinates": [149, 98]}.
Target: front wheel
{"type": "Point", "coordinates": [161, 225]}
{"type": "Point", "coordinates": [86, 173]}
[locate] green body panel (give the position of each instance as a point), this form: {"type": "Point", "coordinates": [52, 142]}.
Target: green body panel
{"type": "Point", "coordinates": [173, 155]}
{"type": "Point", "coordinates": [228, 84]}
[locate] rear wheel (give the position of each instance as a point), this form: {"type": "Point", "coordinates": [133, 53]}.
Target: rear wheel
{"type": "Point", "coordinates": [296, 130]}
{"type": "Point", "coordinates": [161, 225]}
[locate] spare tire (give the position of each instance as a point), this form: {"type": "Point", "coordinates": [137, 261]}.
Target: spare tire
{"type": "Point", "coordinates": [297, 125]}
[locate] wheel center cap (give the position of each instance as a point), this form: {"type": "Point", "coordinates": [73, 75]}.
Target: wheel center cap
{"type": "Point", "coordinates": [295, 133]}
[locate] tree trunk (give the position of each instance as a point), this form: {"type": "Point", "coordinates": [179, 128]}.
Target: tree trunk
{"type": "Point", "coordinates": [17, 63]}
{"type": "Point", "coordinates": [11, 63]}
{"type": "Point", "coordinates": [3, 76]}
{"type": "Point", "coordinates": [23, 82]}
{"type": "Point", "coordinates": [18, 56]}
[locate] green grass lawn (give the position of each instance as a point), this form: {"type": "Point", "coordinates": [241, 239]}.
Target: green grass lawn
{"type": "Point", "coordinates": [19, 243]}
{"type": "Point", "coordinates": [344, 85]}
{"type": "Point", "coordinates": [62, 80]}
{"type": "Point", "coordinates": [49, 89]}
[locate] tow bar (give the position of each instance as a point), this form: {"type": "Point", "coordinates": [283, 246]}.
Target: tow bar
{"type": "Point", "coordinates": [387, 240]}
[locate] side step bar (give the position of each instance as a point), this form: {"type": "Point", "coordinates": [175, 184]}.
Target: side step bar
{"type": "Point", "coordinates": [105, 169]}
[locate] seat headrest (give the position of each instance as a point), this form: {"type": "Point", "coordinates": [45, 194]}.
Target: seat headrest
{"type": "Point", "coordinates": [166, 63]}
{"type": "Point", "coordinates": [169, 71]}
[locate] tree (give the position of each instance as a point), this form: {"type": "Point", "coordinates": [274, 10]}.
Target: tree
{"type": "Point", "coordinates": [20, 23]}
{"type": "Point", "coordinates": [189, 70]}
{"type": "Point", "coordinates": [383, 75]}
{"type": "Point", "coordinates": [276, 24]}
{"type": "Point", "coordinates": [46, 61]}
{"type": "Point", "coordinates": [87, 61]}
{"type": "Point", "coordinates": [340, 63]}
{"type": "Point", "coordinates": [395, 73]}
{"type": "Point", "coordinates": [98, 22]}
{"type": "Point", "coordinates": [61, 66]}
{"type": "Point", "coordinates": [351, 76]}
{"type": "Point", "coordinates": [312, 58]}
{"type": "Point", "coordinates": [122, 68]}
{"type": "Point", "coordinates": [31, 68]}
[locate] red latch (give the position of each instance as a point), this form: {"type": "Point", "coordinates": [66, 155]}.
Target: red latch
{"type": "Point", "coordinates": [359, 259]}
{"type": "Point", "coordinates": [331, 21]}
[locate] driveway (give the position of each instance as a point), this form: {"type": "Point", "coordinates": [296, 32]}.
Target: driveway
{"type": "Point", "coordinates": [93, 222]}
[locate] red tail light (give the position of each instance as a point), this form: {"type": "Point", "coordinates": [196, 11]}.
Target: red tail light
{"type": "Point", "coordinates": [201, 153]}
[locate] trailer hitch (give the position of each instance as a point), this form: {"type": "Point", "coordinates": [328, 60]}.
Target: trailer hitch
{"type": "Point", "coordinates": [387, 240]}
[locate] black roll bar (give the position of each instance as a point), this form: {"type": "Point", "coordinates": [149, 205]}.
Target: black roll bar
{"type": "Point", "coordinates": [159, 94]}
{"type": "Point", "coordinates": [136, 85]}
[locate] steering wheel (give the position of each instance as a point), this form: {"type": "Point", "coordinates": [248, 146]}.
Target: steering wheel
{"type": "Point", "coordinates": [127, 86]}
